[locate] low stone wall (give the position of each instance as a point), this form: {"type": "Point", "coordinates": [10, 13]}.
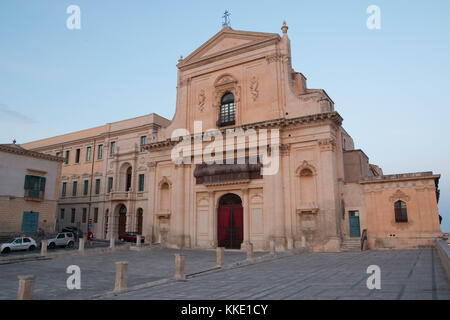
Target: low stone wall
{"type": "Point", "coordinates": [443, 249]}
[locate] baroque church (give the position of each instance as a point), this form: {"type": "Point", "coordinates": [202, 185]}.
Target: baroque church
{"type": "Point", "coordinates": [323, 194]}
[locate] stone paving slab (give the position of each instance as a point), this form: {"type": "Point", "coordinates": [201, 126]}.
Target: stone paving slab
{"type": "Point", "coordinates": [405, 274]}
{"type": "Point", "coordinates": [98, 271]}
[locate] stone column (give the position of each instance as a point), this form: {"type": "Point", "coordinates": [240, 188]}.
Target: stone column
{"type": "Point", "coordinates": [26, 287]}
{"type": "Point", "coordinates": [121, 276]}
{"type": "Point", "coordinates": [44, 244]}
{"type": "Point", "coordinates": [329, 194]}
{"type": "Point", "coordinates": [178, 212]}
{"type": "Point", "coordinates": [179, 267]}
{"type": "Point", "coordinates": [246, 208]}
{"type": "Point", "coordinates": [213, 220]}
{"type": "Point", "coordinates": [219, 256]}
{"type": "Point", "coordinates": [280, 236]}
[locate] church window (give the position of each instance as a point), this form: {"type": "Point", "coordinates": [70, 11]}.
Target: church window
{"type": "Point", "coordinates": [227, 110]}
{"type": "Point", "coordinates": [400, 211]}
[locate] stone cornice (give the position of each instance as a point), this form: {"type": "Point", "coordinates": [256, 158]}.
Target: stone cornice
{"type": "Point", "coordinates": [400, 177]}
{"type": "Point", "coordinates": [278, 123]}
{"type": "Point", "coordinates": [24, 152]}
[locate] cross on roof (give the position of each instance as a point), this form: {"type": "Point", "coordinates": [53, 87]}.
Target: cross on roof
{"type": "Point", "coordinates": [226, 19]}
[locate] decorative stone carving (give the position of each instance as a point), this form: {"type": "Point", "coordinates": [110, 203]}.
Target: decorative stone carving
{"type": "Point", "coordinates": [254, 88]}
{"type": "Point", "coordinates": [285, 149]}
{"type": "Point", "coordinates": [201, 100]}
{"type": "Point", "coordinates": [274, 57]}
{"type": "Point", "coordinates": [399, 195]}
{"type": "Point", "coordinates": [327, 144]}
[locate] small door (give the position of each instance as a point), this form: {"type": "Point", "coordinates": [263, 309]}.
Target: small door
{"type": "Point", "coordinates": [30, 222]}
{"type": "Point", "coordinates": [354, 224]}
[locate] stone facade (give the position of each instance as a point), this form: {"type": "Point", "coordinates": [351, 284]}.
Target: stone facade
{"type": "Point", "coordinates": [323, 192]}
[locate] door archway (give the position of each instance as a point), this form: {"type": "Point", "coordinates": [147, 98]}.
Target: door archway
{"type": "Point", "coordinates": [230, 222]}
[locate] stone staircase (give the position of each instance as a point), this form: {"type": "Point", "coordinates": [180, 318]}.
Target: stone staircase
{"type": "Point", "coordinates": [351, 244]}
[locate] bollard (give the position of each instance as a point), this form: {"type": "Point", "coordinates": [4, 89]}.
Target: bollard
{"type": "Point", "coordinates": [303, 241]}
{"type": "Point", "coordinates": [26, 287]}
{"type": "Point", "coordinates": [272, 247]}
{"type": "Point", "coordinates": [290, 244]}
{"type": "Point", "coordinates": [121, 276]}
{"type": "Point", "coordinates": [81, 245]}
{"type": "Point", "coordinates": [219, 257]}
{"type": "Point", "coordinates": [44, 247]}
{"type": "Point", "coordinates": [249, 251]}
{"type": "Point", "coordinates": [138, 240]}
{"type": "Point", "coordinates": [179, 267]}
{"type": "Point", "coordinates": [112, 242]}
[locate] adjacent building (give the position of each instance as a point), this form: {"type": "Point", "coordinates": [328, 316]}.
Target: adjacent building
{"type": "Point", "coordinates": [28, 190]}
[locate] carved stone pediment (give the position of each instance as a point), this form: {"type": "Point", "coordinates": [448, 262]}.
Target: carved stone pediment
{"type": "Point", "coordinates": [399, 195]}
{"type": "Point", "coordinates": [228, 41]}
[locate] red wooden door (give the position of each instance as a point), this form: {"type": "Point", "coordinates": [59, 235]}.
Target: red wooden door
{"type": "Point", "coordinates": [230, 227]}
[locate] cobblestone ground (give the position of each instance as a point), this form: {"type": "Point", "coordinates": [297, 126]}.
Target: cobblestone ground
{"type": "Point", "coordinates": [98, 271]}
{"type": "Point", "coordinates": [405, 274]}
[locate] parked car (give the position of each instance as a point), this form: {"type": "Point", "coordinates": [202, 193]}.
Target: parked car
{"type": "Point", "coordinates": [21, 243]}
{"type": "Point", "coordinates": [76, 232]}
{"type": "Point", "coordinates": [62, 239]}
{"type": "Point", "coordinates": [130, 237]}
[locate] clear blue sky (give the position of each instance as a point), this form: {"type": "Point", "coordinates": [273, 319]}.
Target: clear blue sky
{"type": "Point", "coordinates": [391, 85]}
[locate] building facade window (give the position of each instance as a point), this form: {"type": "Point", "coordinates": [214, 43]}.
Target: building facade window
{"type": "Point", "coordinates": [110, 184]}
{"type": "Point", "coordinates": [401, 214]}
{"type": "Point", "coordinates": [143, 142]}
{"type": "Point", "coordinates": [97, 186]}
{"type": "Point", "coordinates": [227, 110]}
{"type": "Point", "coordinates": [100, 152]}
{"type": "Point", "coordinates": [112, 148]}
{"type": "Point", "coordinates": [61, 216]}
{"type": "Point", "coordinates": [84, 215]}
{"type": "Point", "coordinates": [67, 157]}
{"type": "Point", "coordinates": [88, 154]}
{"type": "Point", "coordinates": [141, 182]}
{"type": "Point", "coordinates": [58, 154]}
{"type": "Point", "coordinates": [72, 218]}
{"type": "Point", "coordinates": [77, 155]}
{"type": "Point", "coordinates": [74, 188]}
{"type": "Point", "coordinates": [85, 187]}
{"type": "Point", "coordinates": [95, 215]}
{"type": "Point", "coordinates": [34, 187]}
{"type": "Point", "coordinates": [64, 189]}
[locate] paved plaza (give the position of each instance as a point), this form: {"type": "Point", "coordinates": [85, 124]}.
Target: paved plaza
{"type": "Point", "coordinates": [405, 274]}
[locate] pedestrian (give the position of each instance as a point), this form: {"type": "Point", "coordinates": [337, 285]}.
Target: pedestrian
{"type": "Point", "coordinates": [90, 237]}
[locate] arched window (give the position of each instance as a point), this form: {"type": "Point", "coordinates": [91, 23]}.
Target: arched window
{"type": "Point", "coordinates": [227, 110]}
{"type": "Point", "coordinates": [400, 211]}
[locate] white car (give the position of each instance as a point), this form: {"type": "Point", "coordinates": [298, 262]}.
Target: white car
{"type": "Point", "coordinates": [62, 239]}
{"type": "Point", "coordinates": [22, 243]}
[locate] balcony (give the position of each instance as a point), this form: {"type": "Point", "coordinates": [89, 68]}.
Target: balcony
{"type": "Point", "coordinates": [34, 195]}
{"type": "Point", "coordinates": [120, 195]}
{"type": "Point", "coordinates": [308, 208]}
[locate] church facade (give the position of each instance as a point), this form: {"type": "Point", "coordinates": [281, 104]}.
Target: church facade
{"type": "Point", "coordinates": [251, 155]}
